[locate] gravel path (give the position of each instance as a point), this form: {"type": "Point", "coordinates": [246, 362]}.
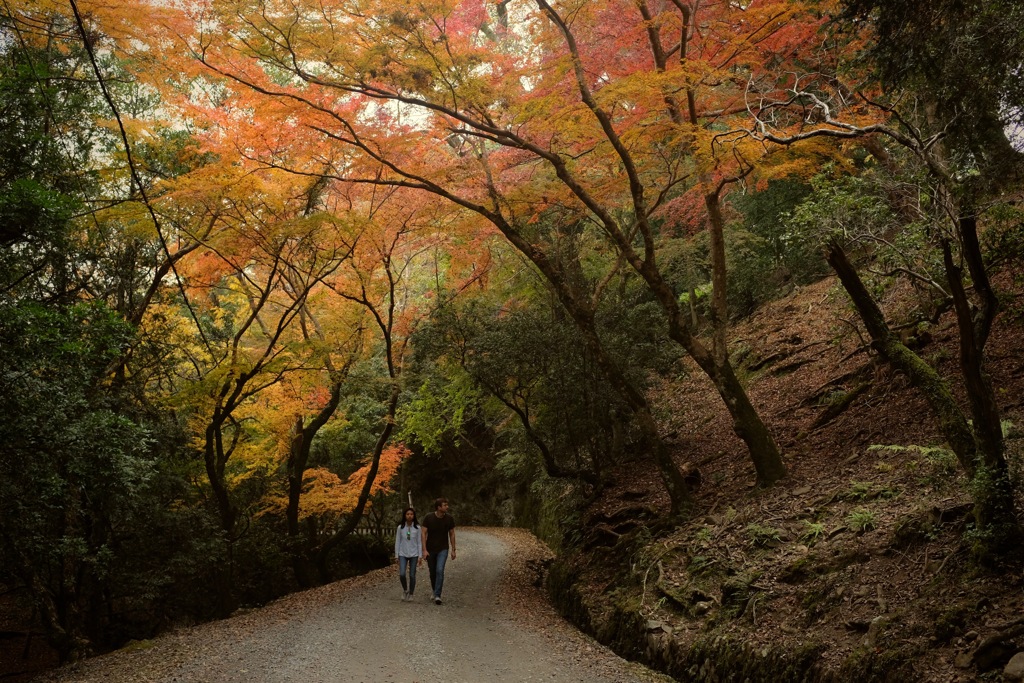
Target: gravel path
{"type": "Point", "coordinates": [494, 625]}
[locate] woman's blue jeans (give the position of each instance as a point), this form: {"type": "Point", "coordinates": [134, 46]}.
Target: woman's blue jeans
{"type": "Point", "coordinates": [402, 562]}
{"type": "Point", "coordinates": [435, 563]}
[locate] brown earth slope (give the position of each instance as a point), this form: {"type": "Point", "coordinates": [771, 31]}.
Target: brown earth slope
{"type": "Point", "coordinates": [854, 566]}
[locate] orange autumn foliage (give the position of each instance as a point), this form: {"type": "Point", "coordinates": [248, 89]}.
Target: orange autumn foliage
{"type": "Point", "coordinates": [325, 495]}
{"type": "Point", "coordinates": [615, 118]}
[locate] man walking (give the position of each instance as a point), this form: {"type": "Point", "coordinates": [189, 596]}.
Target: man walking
{"type": "Point", "coordinates": [438, 535]}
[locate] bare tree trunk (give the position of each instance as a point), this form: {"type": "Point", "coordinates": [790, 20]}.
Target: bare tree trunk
{"type": "Point", "coordinates": [215, 461]}
{"type": "Point", "coordinates": [748, 425]}
{"type": "Point", "coordinates": [974, 327]}
{"type": "Point", "coordinates": [298, 456]}
{"type": "Point", "coordinates": [746, 421]}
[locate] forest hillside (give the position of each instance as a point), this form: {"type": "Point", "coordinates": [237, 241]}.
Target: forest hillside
{"type": "Point", "coordinates": [272, 271]}
{"type": "Point", "coordinates": [857, 567]}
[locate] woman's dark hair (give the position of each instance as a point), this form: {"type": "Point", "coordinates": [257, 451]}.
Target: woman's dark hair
{"type": "Point", "coordinates": [401, 522]}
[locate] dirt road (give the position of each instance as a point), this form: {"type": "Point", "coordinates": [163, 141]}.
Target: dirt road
{"type": "Point", "coordinates": [361, 631]}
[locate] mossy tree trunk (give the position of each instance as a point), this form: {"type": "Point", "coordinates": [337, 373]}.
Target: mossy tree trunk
{"type": "Point", "coordinates": [996, 516]}
{"type": "Point", "coordinates": [979, 453]}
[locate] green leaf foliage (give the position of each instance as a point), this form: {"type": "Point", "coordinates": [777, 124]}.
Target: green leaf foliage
{"type": "Point", "coordinates": [73, 467]}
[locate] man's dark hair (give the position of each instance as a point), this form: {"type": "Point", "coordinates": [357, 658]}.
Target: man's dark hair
{"type": "Point", "coordinates": [439, 502]}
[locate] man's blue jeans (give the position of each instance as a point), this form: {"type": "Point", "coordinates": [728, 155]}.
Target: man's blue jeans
{"type": "Point", "coordinates": [435, 563]}
{"type": "Point", "coordinates": [411, 562]}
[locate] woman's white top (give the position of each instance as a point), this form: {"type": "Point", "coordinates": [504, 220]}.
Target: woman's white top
{"type": "Point", "coordinates": [407, 542]}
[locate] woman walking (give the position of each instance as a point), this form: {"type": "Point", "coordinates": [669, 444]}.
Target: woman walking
{"type": "Point", "coordinates": [408, 551]}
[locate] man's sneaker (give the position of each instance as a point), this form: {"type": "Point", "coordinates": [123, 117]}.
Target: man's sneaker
{"type": "Point", "coordinates": [437, 600]}
{"type": "Point", "coordinates": [405, 596]}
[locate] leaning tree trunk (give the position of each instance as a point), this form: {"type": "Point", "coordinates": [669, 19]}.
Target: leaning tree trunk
{"type": "Point", "coordinates": [746, 421]}
{"type": "Point", "coordinates": [764, 451]}
{"type": "Point", "coordinates": [990, 490]}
